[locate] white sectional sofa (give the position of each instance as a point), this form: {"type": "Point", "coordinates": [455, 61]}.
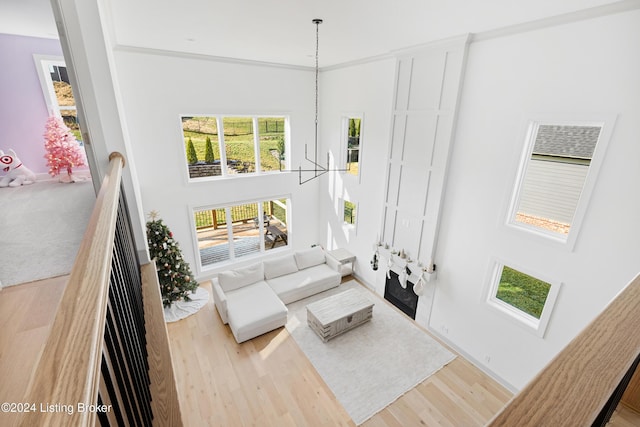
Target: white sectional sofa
{"type": "Point", "coordinates": [252, 299]}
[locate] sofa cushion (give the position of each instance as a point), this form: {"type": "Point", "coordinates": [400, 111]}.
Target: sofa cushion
{"type": "Point", "coordinates": [309, 257]}
{"type": "Point", "coordinates": [304, 283]}
{"type": "Point", "coordinates": [279, 267]}
{"type": "Point", "coordinates": [235, 279]}
{"type": "Point", "coordinates": [254, 310]}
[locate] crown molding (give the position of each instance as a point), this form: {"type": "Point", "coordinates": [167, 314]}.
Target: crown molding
{"type": "Point", "coordinates": [205, 57]}
{"type": "Point", "coordinates": [552, 21]}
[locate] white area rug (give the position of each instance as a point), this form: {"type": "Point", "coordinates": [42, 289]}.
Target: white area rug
{"type": "Point", "coordinates": [182, 309]}
{"type": "Point", "coordinates": [372, 365]}
{"type": "Point", "coordinates": [41, 227]}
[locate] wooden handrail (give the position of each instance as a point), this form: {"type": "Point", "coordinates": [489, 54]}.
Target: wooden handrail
{"type": "Point", "coordinates": [69, 368]}
{"type": "Point", "coordinates": [576, 385]}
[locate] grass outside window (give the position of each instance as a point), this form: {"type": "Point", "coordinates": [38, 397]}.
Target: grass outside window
{"type": "Point", "coordinates": [524, 292]}
{"type": "Point", "coordinates": [349, 212]}
{"type": "Point", "coordinates": [239, 142]}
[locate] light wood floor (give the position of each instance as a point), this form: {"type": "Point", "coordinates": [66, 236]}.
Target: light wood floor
{"type": "Point", "coordinates": [264, 382]}
{"type": "Point", "coordinates": [26, 315]}
{"type": "Point", "coordinates": [269, 381]}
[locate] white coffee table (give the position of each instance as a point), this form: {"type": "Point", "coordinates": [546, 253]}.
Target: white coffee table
{"type": "Point", "coordinates": [339, 313]}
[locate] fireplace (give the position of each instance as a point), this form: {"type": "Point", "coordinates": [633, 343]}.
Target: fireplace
{"type": "Point", "coordinates": [405, 299]}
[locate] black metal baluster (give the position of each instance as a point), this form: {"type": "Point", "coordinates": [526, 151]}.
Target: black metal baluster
{"type": "Point", "coordinates": [125, 368]}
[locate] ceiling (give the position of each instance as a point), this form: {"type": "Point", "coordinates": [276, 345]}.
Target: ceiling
{"type": "Point", "coordinates": [281, 31]}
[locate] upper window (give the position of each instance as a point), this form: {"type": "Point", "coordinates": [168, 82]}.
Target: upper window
{"type": "Point", "coordinates": [556, 176]}
{"type": "Point", "coordinates": [352, 132]}
{"type": "Point", "coordinates": [233, 145]}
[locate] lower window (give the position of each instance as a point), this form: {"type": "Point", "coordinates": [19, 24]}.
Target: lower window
{"type": "Point", "coordinates": [349, 212]}
{"type": "Point", "coordinates": [522, 296]}
{"type": "Point", "coordinates": [232, 232]}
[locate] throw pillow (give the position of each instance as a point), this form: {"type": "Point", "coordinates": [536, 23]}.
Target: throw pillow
{"type": "Point", "coordinates": [235, 279]}
{"type": "Point", "coordinates": [279, 267]}
{"type": "Point", "coordinates": [310, 257]}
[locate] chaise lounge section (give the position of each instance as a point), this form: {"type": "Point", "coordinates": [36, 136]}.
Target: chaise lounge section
{"type": "Point", "coordinates": [252, 299]}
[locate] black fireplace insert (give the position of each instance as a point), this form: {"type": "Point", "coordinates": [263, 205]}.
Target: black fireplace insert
{"type": "Point", "coordinates": [403, 298]}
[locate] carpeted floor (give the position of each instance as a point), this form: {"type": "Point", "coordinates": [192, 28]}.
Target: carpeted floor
{"type": "Point", "coordinates": [41, 226]}
{"type": "Point", "coordinates": [372, 365]}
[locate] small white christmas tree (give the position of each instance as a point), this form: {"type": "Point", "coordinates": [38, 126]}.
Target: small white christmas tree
{"type": "Point", "coordinates": [63, 151]}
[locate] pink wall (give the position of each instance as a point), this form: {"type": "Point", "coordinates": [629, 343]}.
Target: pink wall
{"type": "Point", "coordinates": [23, 111]}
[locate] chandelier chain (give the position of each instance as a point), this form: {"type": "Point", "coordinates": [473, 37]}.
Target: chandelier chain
{"type": "Point", "coordinates": [317, 22]}
{"type": "Point", "coordinates": [318, 169]}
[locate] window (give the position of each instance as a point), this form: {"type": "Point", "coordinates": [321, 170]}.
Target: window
{"type": "Point", "coordinates": [271, 143]}
{"type": "Point", "coordinates": [522, 297]}
{"type": "Point", "coordinates": [234, 145]}
{"type": "Point", "coordinates": [233, 232]}
{"type": "Point", "coordinates": [557, 172]}
{"type": "Point", "coordinates": [238, 140]}
{"type": "Point", "coordinates": [202, 145]}
{"type": "Point", "coordinates": [349, 212]}
{"type": "Point", "coordinates": [58, 94]}
{"type": "Point", "coordinates": [276, 233]}
{"type": "Point", "coordinates": [352, 132]}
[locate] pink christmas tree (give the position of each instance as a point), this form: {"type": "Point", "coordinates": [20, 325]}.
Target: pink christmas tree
{"type": "Point", "coordinates": [63, 151]}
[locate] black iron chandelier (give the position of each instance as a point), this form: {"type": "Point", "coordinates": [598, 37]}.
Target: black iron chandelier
{"type": "Point", "coordinates": [318, 169]}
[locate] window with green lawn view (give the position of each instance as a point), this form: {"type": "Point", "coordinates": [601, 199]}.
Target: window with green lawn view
{"type": "Point", "coordinates": [353, 144]}
{"type": "Point", "coordinates": [233, 232]}
{"type": "Point", "coordinates": [524, 292]}
{"type": "Point", "coordinates": [234, 145]}
{"type": "Point", "coordinates": [523, 297]}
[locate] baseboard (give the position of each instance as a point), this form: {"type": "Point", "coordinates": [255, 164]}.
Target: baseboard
{"type": "Point", "coordinates": [84, 174]}
{"type": "Point", "coordinates": [475, 362]}
{"type": "Point", "coordinates": [364, 282]}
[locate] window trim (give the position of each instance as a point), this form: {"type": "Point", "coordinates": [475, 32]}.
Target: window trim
{"type": "Point", "coordinates": [221, 146]}
{"type": "Point", "coordinates": [537, 327]}
{"type": "Point", "coordinates": [43, 62]}
{"type": "Point", "coordinates": [355, 208]}
{"type": "Point", "coordinates": [192, 209]}
{"type": "Point", "coordinates": [531, 123]}
{"type": "Point", "coordinates": [344, 143]}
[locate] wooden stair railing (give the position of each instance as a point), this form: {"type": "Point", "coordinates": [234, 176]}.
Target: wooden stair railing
{"type": "Point", "coordinates": [575, 387]}
{"type": "Point", "coordinates": [165, 404]}
{"type": "Point", "coordinates": [95, 367]}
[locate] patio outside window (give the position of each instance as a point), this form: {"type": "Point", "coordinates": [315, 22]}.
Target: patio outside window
{"type": "Point", "coordinates": [233, 232]}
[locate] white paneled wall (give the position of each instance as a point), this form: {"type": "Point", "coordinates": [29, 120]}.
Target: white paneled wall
{"type": "Point", "coordinates": [427, 87]}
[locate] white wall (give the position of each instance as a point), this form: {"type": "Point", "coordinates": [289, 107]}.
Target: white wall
{"type": "Point", "coordinates": [366, 90]}
{"type": "Point", "coordinates": [157, 89]}
{"type": "Point", "coordinates": [584, 67]}
{"type": "Point", "coordinates": [580, 68]}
